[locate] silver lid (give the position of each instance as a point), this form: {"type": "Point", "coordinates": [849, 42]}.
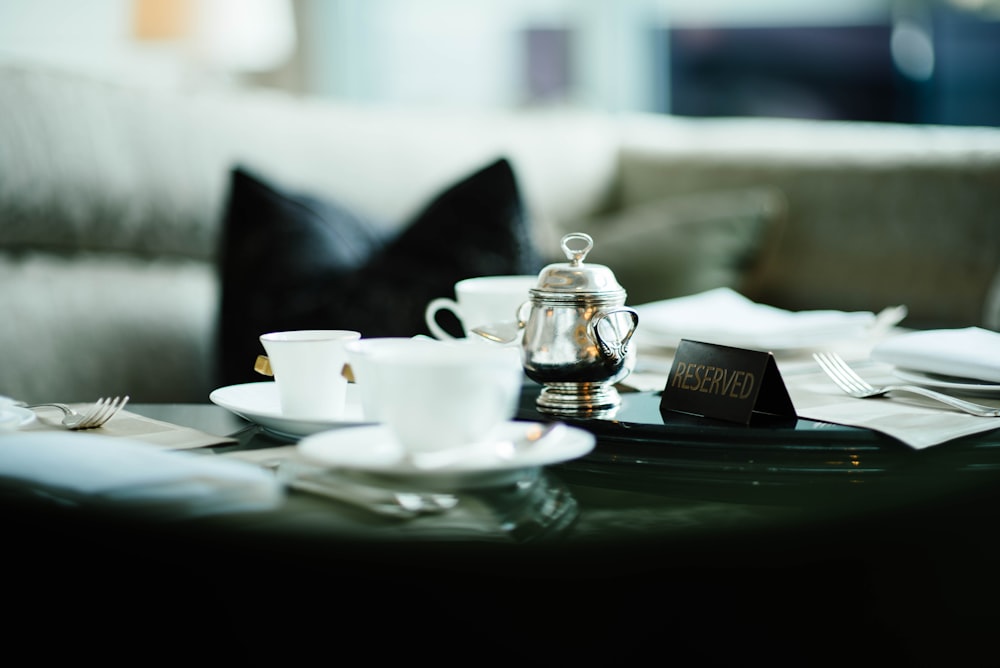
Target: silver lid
{"type": "Point", "coordinates": [575, 277]}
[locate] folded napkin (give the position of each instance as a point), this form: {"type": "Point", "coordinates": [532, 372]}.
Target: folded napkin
{"type": "Point", "coordinates": [918, 422]}
{"type": "Point", "coordinates": [14, 417]}
{"type": "Point", "coordinates": [723, 316]}
{"type": "Point", "coordinates": [969, 352]}
{"type": "Point", "coordinates": [90, 469]}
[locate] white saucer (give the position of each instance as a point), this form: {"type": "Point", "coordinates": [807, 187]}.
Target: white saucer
{"type": "Point", "coordinates": [259, 403]}
{"type": "Point", "coordinates": [373, 450]}
{"type": "Point", "coordinates": [970, 386]}
{"type": "Point", "coordinates": [15, 417]}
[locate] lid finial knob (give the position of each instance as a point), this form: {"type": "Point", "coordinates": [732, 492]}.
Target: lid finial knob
{"type": "Point", "coordinates": [576, 255]}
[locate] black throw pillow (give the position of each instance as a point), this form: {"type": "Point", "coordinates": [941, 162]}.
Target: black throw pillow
{"type": "Point", "coordinates": [297, 261]}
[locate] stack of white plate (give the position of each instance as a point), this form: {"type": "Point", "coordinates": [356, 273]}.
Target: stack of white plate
{"type": "Point", "coordinates": [960, 361]}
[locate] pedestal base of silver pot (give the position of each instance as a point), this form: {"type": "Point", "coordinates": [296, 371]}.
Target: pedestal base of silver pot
{"type": "Point", "coordinates": [579, 399]}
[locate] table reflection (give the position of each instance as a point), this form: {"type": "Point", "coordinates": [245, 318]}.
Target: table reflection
{"type": "Point", "coordinates": [528, 506]}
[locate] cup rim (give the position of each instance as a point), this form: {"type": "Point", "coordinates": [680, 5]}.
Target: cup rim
{"type": "Point", "coordinates": [377, 343]}
{"type": "Point", "coordinates": [457, 352]}
{"type": "Point", "coordinates": [310, 335]}
{"type": "Point", "coordinates": [499, 279]}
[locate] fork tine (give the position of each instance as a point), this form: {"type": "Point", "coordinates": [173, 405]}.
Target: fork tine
{"type": "Point", "coordinates": [829, 370]}
{"type": "Point", "coordinates": [99, 413]}
{"type": "Point", "coordinates": [102, 416]}
{"type": "Point", "coordinates": [833, 371]}
{"type": "Point", "coordinates": [114, 411]}
{"type": "Point", "coordinates": [829, 364]}
{"type": "Point", "coordinates": [851, 374]}
{"type": "Point", "coordinates": [87, 421]}
{"type": "Point", "coordinates": [109, 409]}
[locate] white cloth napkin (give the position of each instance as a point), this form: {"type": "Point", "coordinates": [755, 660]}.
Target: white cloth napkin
{"type": "Point", "coordinates": [969, 352]}
{"type": "Point", "coordinates": [90, 469]}
{"type": "Point", "coordinates": [916, 421]}
{"type": "Point", "coordinates": [725, 317]}
{"type": "Point", "coordinates": [13, 417]}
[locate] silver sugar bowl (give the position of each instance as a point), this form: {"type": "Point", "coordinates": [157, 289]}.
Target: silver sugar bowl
{"type": "Point", "coordinates": [576, 334]}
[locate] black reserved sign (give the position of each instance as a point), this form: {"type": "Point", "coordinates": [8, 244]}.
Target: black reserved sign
{"type": "Point", "coordinates": [725, 383]}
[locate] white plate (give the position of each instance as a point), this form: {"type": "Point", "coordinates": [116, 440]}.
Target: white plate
{"type": "Point", "coordinates": [373, 450]}
{"type": "Point", "coordinates": [971, 386]}
{"type": "Point", "coordinates": [15, 417]}
{"type": "Point", "coordinates": [259, 403]}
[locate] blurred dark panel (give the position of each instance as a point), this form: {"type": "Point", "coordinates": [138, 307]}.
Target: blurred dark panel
{"type": "Point", "coordinates": [836, 72]}
{"type": "Point", "coordinates": [841, 72]}
{"type": "Point", "coordinates": [965, 88]}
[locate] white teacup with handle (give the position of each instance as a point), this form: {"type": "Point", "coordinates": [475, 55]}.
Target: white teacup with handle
{"type": "Point", "coordinates": [483, 301]}
{"type": "Point", "coordinates": [308, 366]}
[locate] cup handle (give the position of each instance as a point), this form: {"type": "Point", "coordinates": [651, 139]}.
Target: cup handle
{"type": "Point", "coordinates": [430, 316]}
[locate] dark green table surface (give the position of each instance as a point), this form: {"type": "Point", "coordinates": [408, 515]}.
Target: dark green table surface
{"type": "Point", "coordinates": [784, 540]}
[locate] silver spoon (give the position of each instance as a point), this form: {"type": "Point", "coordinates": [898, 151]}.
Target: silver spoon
{"type": "Point", "coordinates": [500, 332]}
{"type": "Point", "coordinates": [535, 433]}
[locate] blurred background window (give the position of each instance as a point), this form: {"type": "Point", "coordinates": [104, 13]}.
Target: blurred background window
{"type": "Point", "coordinates": [922, 61]}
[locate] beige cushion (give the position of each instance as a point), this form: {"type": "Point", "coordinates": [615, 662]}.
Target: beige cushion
{"type": "Point", "coordinates": [99, 165]}
{"type": "Point", "coordinates": [681, 245]}
{"type": "Point", "coordinates": [878, 214]}
{"type": "Point", "coordinates": [97, 325]}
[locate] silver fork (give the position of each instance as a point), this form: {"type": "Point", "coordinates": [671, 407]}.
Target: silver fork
{"type": "Point", "coordinates": [850, 382]}
{"type": "Point", "coordinates": [95, 416]}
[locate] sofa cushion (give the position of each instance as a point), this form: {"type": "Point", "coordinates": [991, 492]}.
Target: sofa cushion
{"type": "Point", "coordinates": [114, 325]}
{"type": "Point", "coordinates": [684, 244]}
{"type": "Point", "coordinates": [879, 214]}
{"type": "Point", "coordinates": [91, 165]}
{"type": "Point", "coordinates": [298, 261]}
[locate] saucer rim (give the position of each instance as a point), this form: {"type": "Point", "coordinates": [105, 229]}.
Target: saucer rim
{"type": "Point", "coordinates": [378, 436]}
{"type": "Point", "coordinates": [274, 421]}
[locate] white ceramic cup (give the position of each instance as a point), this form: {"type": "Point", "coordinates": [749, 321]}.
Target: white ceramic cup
{"type": "Point", "coordinates": [482, 300]}
{"type": "Point", "coordinates": [358, 355]}
{"type": "Point", "coordinates": [308, 368]}
{"type": "Point", "coordinates": [446, 394]}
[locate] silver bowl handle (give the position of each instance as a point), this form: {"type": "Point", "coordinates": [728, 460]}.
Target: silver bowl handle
{"type": "Point", "coordinates": [616, 350]}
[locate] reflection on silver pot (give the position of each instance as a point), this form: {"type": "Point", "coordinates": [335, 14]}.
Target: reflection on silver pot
{"type": "Point", "coordinates": [576, 335]}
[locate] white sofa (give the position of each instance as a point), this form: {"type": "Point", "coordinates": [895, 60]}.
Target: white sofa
{"type": "Point", "coordinates": [111, 199]}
